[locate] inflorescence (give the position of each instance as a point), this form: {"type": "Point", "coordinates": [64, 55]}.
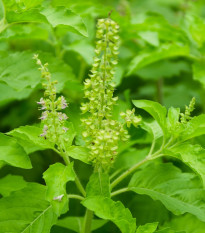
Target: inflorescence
{"type": "Point", "coordinates": [52, 118]}
{"type": "Point", "coordinates": [101, 132]}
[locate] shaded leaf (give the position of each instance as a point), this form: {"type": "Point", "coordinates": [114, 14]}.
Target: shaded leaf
{"type": "Point", "coordinates": [75, 223]}
{"type": "Point", "coordinates": [162, 52]}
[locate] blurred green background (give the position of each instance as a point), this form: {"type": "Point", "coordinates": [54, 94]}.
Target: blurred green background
{"type": "Point", "coordinates": [161, 58]}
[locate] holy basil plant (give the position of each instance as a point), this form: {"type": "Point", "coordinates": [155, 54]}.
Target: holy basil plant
{"type": "Point", "coordinates": [103, 164]}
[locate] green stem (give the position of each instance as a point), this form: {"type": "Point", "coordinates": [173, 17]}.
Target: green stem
{"type": "Point", "coordinates": [119, 191]}
{"type": "Point", "coordinates": [75, 196]}
{"type": "Point", "coordinates": [87, 222]}
{"type": "Point", "coordinates": [112, 176]}
{"type": "Point", "coordinates": [127, 173]}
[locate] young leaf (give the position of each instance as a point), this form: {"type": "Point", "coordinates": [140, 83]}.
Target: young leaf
{"type": "Point", "coordinates": [156, 110]}
{"type": "Point", "coordinates": [98, 185]}
{"type": "Point", "coordinates": [152, 128]}
{"type": "Point", "coordinates": [194, 128]}
{"type": "Point", "coordinates": [79, 152]}
{"type": "Point", "coordinates": [65, 17]}
{"type": "Point", "coordinates": [179, 192]}
{"type": "Point", "coordinates": [11, 183]}
{"type": "Point", "coordinates": [12, 153]}
{"type": "Point", "coordinates": [106, 208]}
{"type": "Point", "coordinates": [192, 155]}
{"type": "Point", "coordinates": [56, 177]}
{"type": "Point", "coordinates": [26, 210]}
{"type": "Point", "coordinates": [147, 228]}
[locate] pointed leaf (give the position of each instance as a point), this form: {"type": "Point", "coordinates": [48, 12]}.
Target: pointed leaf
{"type": "Point", "coordinates": [56, 177]}
{"type": "Point", "coordinates": [179, 192]}
{"type": "Point", "coordinates": [156, 110]}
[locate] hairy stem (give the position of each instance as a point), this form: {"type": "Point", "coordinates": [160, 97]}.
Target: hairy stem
{"type": "Point", "coordinates": [87, 222]}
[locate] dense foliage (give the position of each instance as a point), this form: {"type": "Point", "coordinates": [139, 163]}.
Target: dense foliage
{"type": "Point", "coordinates": [118, 143]}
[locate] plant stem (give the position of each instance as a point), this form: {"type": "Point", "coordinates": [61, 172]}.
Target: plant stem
{"type": "Point", "coordinates": [77, 180]}
{"type": "Point", "coordinates": [128, 172]}
{"type": "Point", "coordinates": [75, 196]}
{"type": "Point", "coordinates": [119, 191]}
{"type": "Point", "coordinates": [87, 222]}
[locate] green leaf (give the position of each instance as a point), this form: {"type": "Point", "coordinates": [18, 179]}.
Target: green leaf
{"type": "Point", "coordinates": [187, 223]}
{"type": "Point", "coordinates": [28, 137]}
{"type": "Point", "coordinates": [11, 183]}
{"type": "Point", "coordinates": [147, 228]}
{"type": "Point", "coordinates": [98, 185]}
{"type": "Point", "coordinates": [150, 37]}
{"type": "Point", "coordinates": [19, 70]}
{"type": "Point", "coordinates": [156, 110]}
{"type": "Point", "coordinates": [84, 48]}
{"type": "Point", "coordinates": [106, 208]}
{"type": "Point", "coordinates": [75, 223]}
{"type": "Point", "coordinates": [65, 17]}
{"type": "Point", "coordinates": [152, 128]}
{"type": "Point", "coordinates": [79, 152]}
{"type": "Point", "coordinates": [194, 128]}
{"type": "Point", "coordinates": [163, 52]}
{"type": "Point", "coordinates": [29, 16]}
{"type": "Point", "coordinates": [173, 117]}
{"type": "Point", "coordinates": [26, 211]}
{"type": "Point", "coordinates": [12, 153]}
{"type": "Point", "coordinates": [8, 94]}
{"type": "Point", "coordinates": [56, 177]}
{"type": "Point", "coordinates": [192, 155]}
{"type": "Point", "coordinates": [198, 70]}
{"type": "Point", "coordinates": [179, 192]}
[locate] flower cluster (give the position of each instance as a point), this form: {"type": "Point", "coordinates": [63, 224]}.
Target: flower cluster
{"type": "Point", "coordinates": [101, 133]}
{"type": "Point", "coordinates": [185, 117]}
{"type": "Point", "coordinates": [52, 118]}
{"type": "Point", "coordinates": [130, 118]}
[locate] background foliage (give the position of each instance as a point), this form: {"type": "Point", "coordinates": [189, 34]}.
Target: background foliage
{"type": "Point", "coordinates": [161, 58]}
